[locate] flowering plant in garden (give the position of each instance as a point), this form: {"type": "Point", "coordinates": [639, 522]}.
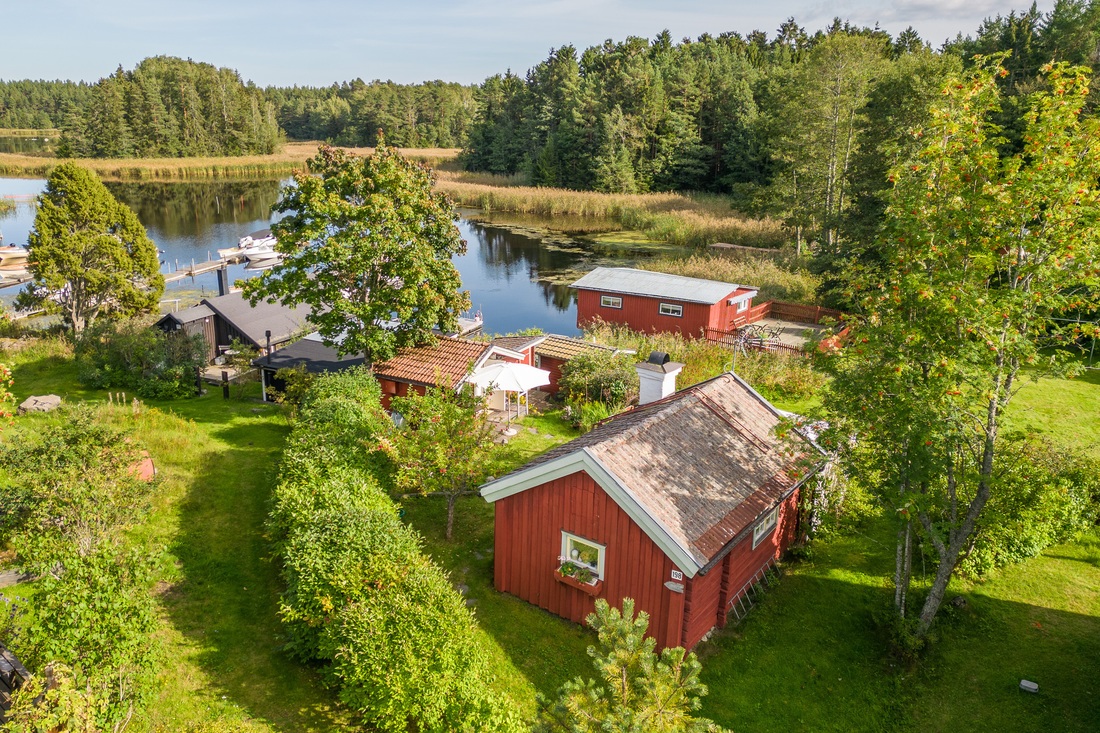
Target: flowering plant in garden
{"type": "Point", "coordinates": [571, 569]}
{"type": "Point", "coordinates": [6, 397]}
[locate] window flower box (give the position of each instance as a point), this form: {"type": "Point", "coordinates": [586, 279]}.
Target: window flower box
{"type": "Point", "coordinates": [579, 577]}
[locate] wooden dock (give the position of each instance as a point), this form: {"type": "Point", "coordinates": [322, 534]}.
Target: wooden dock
{"type": "Point", "coordinates": [199, 268]}
{"type": "Point", "coordinates": [7, 283]}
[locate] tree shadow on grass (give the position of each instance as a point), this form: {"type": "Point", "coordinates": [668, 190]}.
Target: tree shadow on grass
{"type": "Point", "coordinates": [225, 604]}
{"type": "Point", "coordinates": [814, 650]}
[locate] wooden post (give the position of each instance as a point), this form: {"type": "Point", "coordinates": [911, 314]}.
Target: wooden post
{"type": "Point", "coordinates": [267, 335]}
{"type": "Point", "coordinates": [225, 384]}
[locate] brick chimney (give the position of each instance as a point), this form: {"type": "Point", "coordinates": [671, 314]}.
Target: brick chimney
{"type": "Point", "coordinates": [656, 377]}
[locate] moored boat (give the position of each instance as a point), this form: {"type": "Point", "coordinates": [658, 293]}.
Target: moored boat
{"type": "Point", "coordinates": [13, 270]}
{"type": "Point", "coordinates": [12, 252]}
{"type": "Point", "coordinates": [257, 243]}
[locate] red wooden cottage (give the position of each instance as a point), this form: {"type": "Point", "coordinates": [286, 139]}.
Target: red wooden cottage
{"type": "Point", "coordinates": [655, 301]}
{"type": "Point", "coordinates": [680, 504]}
{"type": "Point", "coordinates": [446, 363]}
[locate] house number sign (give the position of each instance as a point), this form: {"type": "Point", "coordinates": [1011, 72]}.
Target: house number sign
{"type": "Point", "coordinates": [677, 575]}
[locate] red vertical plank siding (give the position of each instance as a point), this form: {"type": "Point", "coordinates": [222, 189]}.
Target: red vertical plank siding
{"type": "Point", "coordinates": [643, 314]}
{"type": "Point", "coordinates": [703, 615]}
{"type": "Point", "coordinates": [528, 528]}
{"type": "Point", "coordinates": [554, 367]}
{"type": "Point", "coordinates": [745, 562]}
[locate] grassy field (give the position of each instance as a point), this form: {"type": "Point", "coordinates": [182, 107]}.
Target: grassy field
{"type": "Point", "coordinates": [218, 592]}
{"type": "Point", "coordinates": [1065, 410]}
{"type": "Point", "coordinates": [293, 157]}
{"type": "Point", "coordinates": [809, 658]}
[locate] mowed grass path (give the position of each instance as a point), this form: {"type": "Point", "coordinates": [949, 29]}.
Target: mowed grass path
{"type": "Point", "coordinates": [217, 459]}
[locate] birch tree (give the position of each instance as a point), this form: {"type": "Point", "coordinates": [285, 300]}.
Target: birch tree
{"type": "Point", "coordinates": [980, 253]}
{"type": "Point", "coordinates": [818, 133]}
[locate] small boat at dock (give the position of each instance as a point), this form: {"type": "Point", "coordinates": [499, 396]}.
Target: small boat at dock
{"type": "Point", "coordinates": [13, 270]}
{"type": "Point", "coordinates": [257, 243]}
{"type": "Point", "coordinates": [12, 252]}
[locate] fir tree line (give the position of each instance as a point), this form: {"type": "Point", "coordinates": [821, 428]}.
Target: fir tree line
{"type": "Point", "coordinates": [168, 107]}
{"type": "Point", "coordinates": [434, 114]}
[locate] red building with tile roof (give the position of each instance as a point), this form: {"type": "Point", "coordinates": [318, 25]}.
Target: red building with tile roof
{"type": "Point", "coordinates": [446, 363]}
{"type": "Point", "coordinates": [680, 504]}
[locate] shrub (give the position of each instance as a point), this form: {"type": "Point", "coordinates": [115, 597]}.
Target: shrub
{"type": "Point", "coordinates": [132, 355]}
{"type": "Point", "coordinates": [360, 595]}
{"type": "Point", "coordinates": [598, 375]}
{"type": "Point", "coordinates": [1045, 495]}
{"type": "Point", "coordinates": [97, 617]}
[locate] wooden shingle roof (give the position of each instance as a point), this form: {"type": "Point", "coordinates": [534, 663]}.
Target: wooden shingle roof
{"type": "Point", "coordinates": [695, 469]}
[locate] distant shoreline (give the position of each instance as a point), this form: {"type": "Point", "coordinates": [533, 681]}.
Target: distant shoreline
{"type": "Point", "coordinates": [242, 167]}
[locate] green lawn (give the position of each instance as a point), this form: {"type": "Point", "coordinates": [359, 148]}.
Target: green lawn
{"type": "Point", "coordinates": [218, 592]}
{"type": "Point", "coordinates": [1065, 410]}
{"type": "Point", "coordinates": [808, 659]}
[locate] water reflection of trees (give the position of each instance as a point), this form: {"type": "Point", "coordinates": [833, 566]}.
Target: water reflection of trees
{"type": "Point", "coordinates": [184, 209]}
{"type": "Point", "coordinates": [505, 255]}
{"type": "Point", "coordinates": [19, 145]}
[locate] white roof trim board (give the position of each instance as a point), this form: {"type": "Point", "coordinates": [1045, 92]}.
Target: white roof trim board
{"type": "Point", "coordinates": [629, 281]}
{"type": "Point", "coordinates": [583, 460]}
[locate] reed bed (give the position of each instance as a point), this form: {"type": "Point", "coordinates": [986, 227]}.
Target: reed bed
{"type": "Point", "coordinates": [777, 281]}
{"type": "Point", "coordinates": [27, 132]}
{"type": "Point", "coordinates": [692, 220]}
{"type": "Point", "coordinates": [293, 157]}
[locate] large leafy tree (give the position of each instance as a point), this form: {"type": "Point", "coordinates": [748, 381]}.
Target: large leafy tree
{"type": "Point", "coordinates": [639, 691]}
{"type": "Point", "coordinates": [981, 253]}
{"type": "Point", "coordinates": [368, 244]}
{"type": "Point", "coordinates": [90, 256]}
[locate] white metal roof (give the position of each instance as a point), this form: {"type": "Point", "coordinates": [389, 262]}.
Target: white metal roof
{"type": "Point", "coordinates": [657, 285]}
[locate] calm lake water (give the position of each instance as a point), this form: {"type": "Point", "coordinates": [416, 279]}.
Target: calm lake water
{"type": "Point", "coordinates": [517, 276]}
{"type": "Point", "coordinates": [26, 145]}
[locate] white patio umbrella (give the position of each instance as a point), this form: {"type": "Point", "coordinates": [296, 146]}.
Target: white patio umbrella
{"type": "Point", "coordinates": [510, 377]}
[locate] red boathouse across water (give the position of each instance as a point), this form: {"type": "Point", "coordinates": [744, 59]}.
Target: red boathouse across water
{"type": "Point", "coordinates": [658, 302]}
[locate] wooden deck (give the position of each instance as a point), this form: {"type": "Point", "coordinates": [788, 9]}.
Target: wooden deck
{"type": "Point", "coordinates": [199, 268]}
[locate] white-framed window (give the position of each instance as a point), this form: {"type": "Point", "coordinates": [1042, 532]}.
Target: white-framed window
{"type": "Point", "coordinates": [585, 553]}
{"type": "Point", "coordinates": [767, 525]}
{"type": "Point", "coordinates": [743, 306]}
{"type": "Point", "coordinates": [670, 309]}
{"type": "Point", "coordinates": [611, 301]}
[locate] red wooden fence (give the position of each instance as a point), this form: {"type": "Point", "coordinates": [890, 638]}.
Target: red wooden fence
{"type": "Point", "coordinates": [773, 309]}
{"type": "Point", "coordinates": [733, 340]}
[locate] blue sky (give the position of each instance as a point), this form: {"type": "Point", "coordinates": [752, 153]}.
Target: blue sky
{"type": "Point", "coordinates": [302, 42]}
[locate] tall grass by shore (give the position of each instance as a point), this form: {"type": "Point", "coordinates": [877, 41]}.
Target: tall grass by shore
{"type": "Point", "coordinates": [292, 157]}
{"type": "Point", "coordinates": [778, 376]}
{"type": "Point", "coordinates": [684, 219]}
{"type": "Point", "coordinates": [28, 132]}
{"type": "Point", "coordinates": [786, 281]}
